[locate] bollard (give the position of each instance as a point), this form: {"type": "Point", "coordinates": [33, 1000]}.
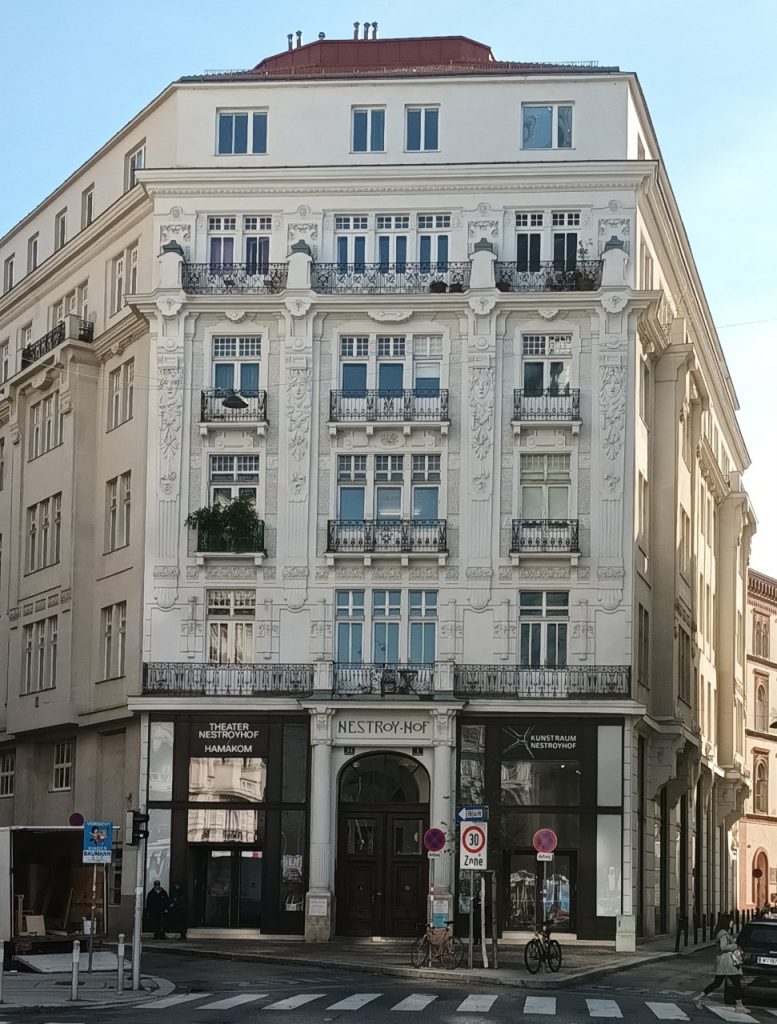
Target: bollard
{"type": "Point", "coordinates": [704, 927]}
{"type": "Point", "coordinates": [677, 934]}
{"type": "Point", "coordinates": [2, 966]}
{"type": "Point", "coordinates": [696, 929]}
{"type": "Point", "coordinates": [76, 965]}
{"type": "Point", "coordinates": [685, 930]}
{"type": "Point", "coordinates": [736, 919]}
{"type": "Point", "coordinates": [120, 964]}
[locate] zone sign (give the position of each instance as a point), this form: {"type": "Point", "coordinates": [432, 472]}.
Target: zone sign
{"type": "Point", "coordinates": [474, 847]}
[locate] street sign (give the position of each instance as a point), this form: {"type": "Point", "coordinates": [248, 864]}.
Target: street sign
{"type": "Point", "coordinates": [473, 847]}
{"type": "Point", "coordinates": [434, 854]}
{"type": "Point", "coordinates": [545, 840]}
{"type": "Point", "coordinates": [98, 842]}
{"type": "Point", "coordinates": [544, 856]}
{"type": "Point", "coordinates": [434, 839]}
{"type": "Point", "coordinates": [472, 812]}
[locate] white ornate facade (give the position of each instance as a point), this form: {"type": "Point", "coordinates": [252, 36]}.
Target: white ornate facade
{"type": "Point", "coordinates": [488, 433]}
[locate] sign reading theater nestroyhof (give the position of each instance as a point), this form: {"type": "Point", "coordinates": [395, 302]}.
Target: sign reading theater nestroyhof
{"type": "Point", "coordinates": [227, 738]}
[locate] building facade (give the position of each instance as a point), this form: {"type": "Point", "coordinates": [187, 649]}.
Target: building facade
{"type": "Point", "coordinates": [403, 472]}
{"type": "Point", "coordinates": [757, 830]}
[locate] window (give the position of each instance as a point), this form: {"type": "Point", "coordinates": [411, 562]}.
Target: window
{"type": "Point", "coordinates": [422, 128]}
{"type": "Point", "coordinates": [113, 628]}
{"type": "Point", "coordinates": [63, 766]}
{"type": "Point", "coordinates": [760, 635]}
{"type": "Point", "coordinates": [241, 132]}
{"type": "Point", "coordinates": [133, 162]}
{"type": "Point", "coordinates": [32, 253]}
{"type": "Point", "coordinates": [351, 482]}
{"type": "Point", "coordinates": [369, 125]}
{"type": "Point", "coordinates": [5, 361]}
{"type": "Point", "coordinates": [642, 511]}
{"type": "Point", "coordinates": [26, 335]}
{"type": "Point", "coordinates": [120, 393]}
{"type": "Point", "coordinates": [87, 207]}
{"type": "Point", "coordinates": [60, 229]}
{"type": "Point", "coordinates": [350, 243]}
{"type": "Point", "coordinates": [547, 126]}
{"type": "Point", "coordinates": [685, 544]}
{"type": "Point", "coordinates": [545, 482]}
{"type": "Point", "coordinates": [236, 364]}
{"type": "Point", "coordinates": [7, 772]}
{"type": "Point", "coordinates": [233, 476]}
{"type": "Point", "coordinates": [392, 245]}
{"type": "Point", "coordinates": [124, 277]}
{"type": "Point", "coordinates": [761, 787]}
{"type": "Point", "coordinates": [422, 645]}
{"type": "Point", "coordinates": [231, 615]}
{"type": "Point", "coordinates": [684, 670]}
{"type": "Point", "coordinates": [349, 615]}
{"type": "Point", "coordinates": [433, 241]}
{"type": "Point", "coordinates": [386, 616]}
{"type": "Point", "coordinates": [118, 504]}
{"type": "Point", "coordinates": [643, 646]}
{"type": "Point", "coordinates": [761, 704]}
{"type": "Point", "coordinates": [75, 301]}
{"type": "Point", "coordinates": [644, 391]}
{"type": "Point", "coordinates": [426, 492]}
{"type": "Point", "coordinates": [8, 273]}
{"type": "Point", "coordinates": [44, 521]}
{"type": "Point", "coordinates": [544, 366]}
{"type": "Point", "coordinates": [228, 237]}
{"type": "Point", "coordinates": [389, 470]}
{"type": "Point", "coordinates": [2, 463]}
{"type": "Point", "coordinates": [45, 425]}
{"type": "Point", "coordinates": [427, 363]}
{"type": "Point", "coordinates": [40, 655]}
{"type": "Point", "coordinates": [544, 618]}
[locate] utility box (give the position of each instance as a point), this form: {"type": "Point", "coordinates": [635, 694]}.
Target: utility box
{"type": "Point", "coordinates": [626, 933]}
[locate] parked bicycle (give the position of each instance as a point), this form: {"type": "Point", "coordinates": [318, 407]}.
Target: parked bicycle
{"type": "Point", "coordinates": [542, 951]}
{"type": "Point", "coordinates": [437, 944]}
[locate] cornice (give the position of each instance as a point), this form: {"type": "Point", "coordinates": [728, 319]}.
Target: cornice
{"type": "Point", "coordinates": [762, 586]}
{"type": "Point", "coordinates": [710, 470]}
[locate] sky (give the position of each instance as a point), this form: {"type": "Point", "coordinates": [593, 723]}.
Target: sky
{"type": "Point", "coordinates": [76, 72]}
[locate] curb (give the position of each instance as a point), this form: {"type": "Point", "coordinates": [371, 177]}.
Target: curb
{"type": "Point", "coordinates": [112, 999]}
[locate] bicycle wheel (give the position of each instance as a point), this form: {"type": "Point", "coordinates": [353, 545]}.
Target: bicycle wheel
{"type": "Point", "coordinates": [533, 956]}
{"type": "Point", "coordinates": [554, 955]}
{"type": "Point", "coordinates": [458, 951]}
{"type": "Point", "coordinates": [448, 955]}
{"type": "Point", "coordinates": [419, 954]}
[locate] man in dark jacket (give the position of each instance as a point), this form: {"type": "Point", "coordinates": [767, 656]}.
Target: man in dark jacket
{"type": "Point", "coordinates": [157, 903]}
{"type": "Point", "coordinates": [179, 911]}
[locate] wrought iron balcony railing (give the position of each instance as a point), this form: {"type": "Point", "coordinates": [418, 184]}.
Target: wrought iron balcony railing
{"type": "Point", "coordinates": [538, 535]}
{"type": "Point", "coordinates": [233, 278]}
{"type": "Point", "coordinates": [213, 410]}
{"type": "Point", "coordinates": [360, 536]}
{"type": "Point", "coordinates": [250, 541]}
{"type": "Point", "coordinates": [382, 680]}
{"type": "Point", "coordinates": [552, 404]}
{"type": "Point", "coordinates": [550, 276]}
{"type": "Point", "coordinates": [184, 679]}
{"type": "Point", "coordinates": [571, 682]}
{"type": "Point", "coordinates": [38, 349]}
{"type": "Point", "coordinates": [388, 406]}
{"type": "Point", "coordinates": [388, 278]}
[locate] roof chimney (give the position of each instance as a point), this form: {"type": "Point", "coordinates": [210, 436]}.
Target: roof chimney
{"type": "Point", "coordinates": [299, 38]}
{"type": "Point", "coordinates": [290, 37]}
{"type": "Point", "coordinates": [366, 30]}
{"type": "Point", "coordinates": [374, 30]}
{"type": "Point", "coordinates": [356, 30]}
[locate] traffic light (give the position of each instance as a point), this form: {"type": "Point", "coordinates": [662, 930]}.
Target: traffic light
{"type": "Point", "coordinates": [139, 830]}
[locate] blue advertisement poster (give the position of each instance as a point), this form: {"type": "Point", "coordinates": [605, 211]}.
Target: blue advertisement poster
{"type": "Point", "coordinates": [98, 842]}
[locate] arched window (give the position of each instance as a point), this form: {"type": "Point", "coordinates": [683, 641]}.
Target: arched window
{"type": "Point", "coordinates": [761, 708]}
{"type": "Point", "coordinates": [761, 791]}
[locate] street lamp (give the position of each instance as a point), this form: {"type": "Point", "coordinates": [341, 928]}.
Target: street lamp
{"type": "Point", "coordinates": [234, 401]}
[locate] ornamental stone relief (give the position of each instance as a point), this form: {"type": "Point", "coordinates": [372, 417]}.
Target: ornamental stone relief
{"type": "Point", "coordinates": [299, 399]}
{"type": "Point", "coordinates": [612, 408]}
{"type": "Point", "coordinates": [481, 433]}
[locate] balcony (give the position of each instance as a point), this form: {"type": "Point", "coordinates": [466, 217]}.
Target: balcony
{"type": "Point", "coordinates": [572, 682]}
{"type": "Point", "coordinates": [73, 328]}
{"type": "Point", "coordinates": [382, 680]}
{"type": "Point", "coordinates": [389, 278]}
{"type": "Point", "coordinates": [248, 541]}
{"type": "Point", "coordinates": [545, 536]}
{"type": "Point", "coordinates": [550, 406]}
{"type": "Point", "coordinates": [218, 409]}
{"type": "Point", "coordinates": [550, 276]}
{"type": "Point", "coordinates": [405, 407]}
{"type": "Point", "coordinates": [387, 536]}
{"type": "Point", "coordinates": [184, 679]}
{"type": "Point", "coordinates": [233, 278]}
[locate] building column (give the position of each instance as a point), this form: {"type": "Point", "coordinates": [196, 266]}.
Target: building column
{"type": "Point", "coordinates": [442, 810]}
{"type": "Point", "coordinates": [318, 900]}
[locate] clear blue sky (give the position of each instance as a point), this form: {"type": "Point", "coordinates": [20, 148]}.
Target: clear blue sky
{"type": "Point", "coordinates": [74, 73]}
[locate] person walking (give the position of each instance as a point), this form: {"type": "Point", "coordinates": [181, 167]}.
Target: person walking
{"type": "Point", "coordinates": [179, 911]}
{"type": "Point", "coordinates": [728, 965]}
{"type": "Point", "coordinates": [157, 904]}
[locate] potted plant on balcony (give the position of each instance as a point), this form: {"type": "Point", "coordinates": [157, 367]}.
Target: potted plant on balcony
{"type": "Point", "coordinates": [438, 286]}
{"type": "Point", "coordinates": [585, 275]}
{"type": "Point", "coordinates": [231, 527]}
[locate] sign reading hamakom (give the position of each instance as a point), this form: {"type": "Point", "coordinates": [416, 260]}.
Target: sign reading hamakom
{"type": "Point", "coordinates": [226, 739]}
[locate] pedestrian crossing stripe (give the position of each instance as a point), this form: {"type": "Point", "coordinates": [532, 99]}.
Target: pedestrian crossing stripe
{"type": "Point", "coordinates": [730, 1014]}
{"type": "Point", "coordinates": [477, 1004]}
{"type": "Point", "coordinates": [293, 1002]}
{"type": "Point", "coordinates": [540, 1004]}
{"type": "Point", "coordinates": [355, 1002]}
{"type": "Point", "coordinates": [232, 1001]}
{"type": "Point", "coordinates": [603, 1008]}
{"type": "Point", "coordinates": [667, 1011]}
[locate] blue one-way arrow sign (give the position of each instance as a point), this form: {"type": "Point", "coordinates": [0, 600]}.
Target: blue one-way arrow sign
{"type": "Point", "coordinates": [472, 813]}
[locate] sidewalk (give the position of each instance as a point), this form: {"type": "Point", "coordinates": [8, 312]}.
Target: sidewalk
{"type": "Point", "coordinates": [45, 992]}
{"type": "Point", "coordinates": [581, 962]}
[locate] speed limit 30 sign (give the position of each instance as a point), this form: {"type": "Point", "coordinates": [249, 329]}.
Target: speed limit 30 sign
{"type": "Point", "coordinates": [474, 846]}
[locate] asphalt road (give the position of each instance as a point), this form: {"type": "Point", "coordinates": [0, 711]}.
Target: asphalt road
{"type": "Point", "coordinates": [225, 992]}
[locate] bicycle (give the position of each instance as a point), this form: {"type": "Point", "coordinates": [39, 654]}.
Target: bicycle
{"type": "Point", "coordinates": [438, 944]}
{"type": "Point", "coordinates": [542, 951]}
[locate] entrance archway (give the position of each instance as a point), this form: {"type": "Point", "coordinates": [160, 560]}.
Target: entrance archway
{"type": "Point", "coordinates": [382, 869]}
{"type": "Point", "coordinates": [761, 883]}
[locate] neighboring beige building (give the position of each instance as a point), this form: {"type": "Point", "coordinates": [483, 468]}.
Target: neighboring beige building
{"type": "Point", "coordinates": [757, 830]}
{"type": "Point", "coordinates": [495, 540]}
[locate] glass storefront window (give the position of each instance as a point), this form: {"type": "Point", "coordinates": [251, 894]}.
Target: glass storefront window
{"type": "Point", "coordinates": [472, 782]}
{"type": "Point", "coordinates": [541, 783]}
{"type": "Point", "coordinates": [518, 828]}
{"type": "Point", "coordinates": [293, 860]}
{"type": "Point", "coordinates": [608, 865]}
{"type": "Point", "coordinates": [360, 836]}
{"type": "Point", "coordinates": [221, 825]}
{"type": "Point", "coordinates": [160, 761]}
{"type": "Point", "coordinates": [234, 779]}
{"type": "Point", "coordinates": [158, 847]}
{"type": "Point", "coordinates": [295, 762]}
{"type": "Point", "coordinates": [609, 765]}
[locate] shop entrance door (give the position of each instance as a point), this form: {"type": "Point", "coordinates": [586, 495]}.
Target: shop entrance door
{"type": "Point", "coordinates": [226, 887]}
{"type": "Point", "coordinates": [534, 897]}
{"type": "Point", "coordinates": [382, 868]}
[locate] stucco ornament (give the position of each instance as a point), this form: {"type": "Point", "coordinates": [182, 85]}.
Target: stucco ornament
{"type": "Point", "coordinates": [481, 432]}
{"type": "Point", "coordinates": [299, 396]}
{"type": "Point", "coordinates": [170, 410]}
{"type": "Point", "coordinates": [612, 409]}
{"type": "Point", "coordinates": [169, 305]}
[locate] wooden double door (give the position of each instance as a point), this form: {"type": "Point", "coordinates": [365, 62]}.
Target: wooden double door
{"type": "Point", "coordinates": [382, 870]}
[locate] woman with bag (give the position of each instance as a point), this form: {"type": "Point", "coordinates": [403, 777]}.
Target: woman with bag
{"type": "Point", "coordinates": [728, 965]}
